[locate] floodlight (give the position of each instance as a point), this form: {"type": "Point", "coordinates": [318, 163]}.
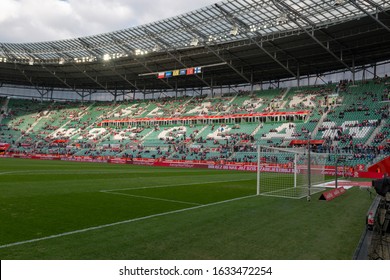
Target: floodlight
{"type": "Point", "coordinates": [106, 57]}
{"type": "Point", "coordinates": [156, 48]}
{"type": "Point", "coordinates": [282, 19]}
{"type": "Point", "coordinates": [338, 2]}
{"type": "Point", "coordinates": [234, 31]}
{"type": "Point", "coordinates": [61, 61]}
{"type": "Point", "coordinates": [31, 61]}
{"type": "Point", "coordinates": [194, 42]}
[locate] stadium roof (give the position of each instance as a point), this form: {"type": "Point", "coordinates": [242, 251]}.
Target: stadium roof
{"type": "Point", "coordinates": [235, 42]}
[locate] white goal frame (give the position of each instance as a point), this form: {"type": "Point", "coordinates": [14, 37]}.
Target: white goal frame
{"type": "Point", "coordinates": [306, 178]}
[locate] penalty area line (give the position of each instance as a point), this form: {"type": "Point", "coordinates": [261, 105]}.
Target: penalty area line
{"type": "Point", "coordinates": [121, 222]}
{"type": "Point", "coordinates": [176, 185]}
{"type": "Point", "coordinates": [152, 198]}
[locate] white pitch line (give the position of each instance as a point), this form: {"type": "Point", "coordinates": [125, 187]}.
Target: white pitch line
{"type": "Point", "coordinates": [78, 172]}
{"type": "Point", "coordinates": [121, 222]}
{"type": "Point", "coordinates": [171, 185]}
{"type": "Point", "coordinates": [13, 172]}
{"type": "Point", "coordinates": [152, 198]}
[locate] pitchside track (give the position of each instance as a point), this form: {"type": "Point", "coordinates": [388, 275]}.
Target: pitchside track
{"type": "Point", "coordinates": [53, 209]}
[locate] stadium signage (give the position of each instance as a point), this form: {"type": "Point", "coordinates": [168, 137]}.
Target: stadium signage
{"type": "Point", "coordinates": [276, 169]}
{"type": "Point", "coordinates": [4, 147]}
{"type": "Point", "coordinates": [252, 167]}
{"type": "Point", "coordinates": [194, 118]}
{"type": "Point", "coordinates": [304, 142]}
{"type": "Point", "coordinates": [181, 72]}
{"type": "Point", "coordinates": [332, 194]}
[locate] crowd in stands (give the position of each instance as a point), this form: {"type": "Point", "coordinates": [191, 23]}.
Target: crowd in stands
{"type": "Point", "coordinates": [33, 127]}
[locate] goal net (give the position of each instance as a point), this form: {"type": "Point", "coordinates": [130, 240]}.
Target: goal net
{"type": "Point", "coordinates": [290, 173]}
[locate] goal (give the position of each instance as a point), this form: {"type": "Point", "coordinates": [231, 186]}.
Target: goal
{"type": "Point", "coordinates": [290, 173]}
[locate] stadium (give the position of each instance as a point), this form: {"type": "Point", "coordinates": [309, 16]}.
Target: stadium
{"type": "Point", "coordinates": [247, 129]}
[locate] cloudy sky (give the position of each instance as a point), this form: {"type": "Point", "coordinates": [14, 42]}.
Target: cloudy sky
{"type": "Point", "coordinates": [45, 20]}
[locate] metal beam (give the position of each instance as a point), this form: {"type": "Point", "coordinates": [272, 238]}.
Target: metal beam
{"type": "Point", "coordinates": [7, 52]}
{"type": "Point", "coordinates": [186, 66]}
{"type": "Point", "coordinates": [283, 7]}
{"type": "Point", "coordinates": [89, 49]}
{"type": "Point", "coordinates": [58, 78]}
{"type": "Point", "coordinates": [377, 6]}
{"type": "Point", "coordinates": [61, 80]}
{"type": "Point", "coordinates": [83, 71]}
{"type": "Point", "coordinates": [354, 3]}
{"type": "Point", "coordinates": [274, 58]}
{"type": "Point", "coordinates": [228, 63]}
{"type": "Point", "coordinates": [29, 79]}
{"type": "Point", "coordinates": [120, 44]}
{"type": "Point", "coordinates": [129, 50]}
{"type": "Point", "coordinates": [198, 33]}
{"type": "Point", "coordinates": [167, 46]}
{"type": "Point", "coordinates": [46, 69]}
{"type": "Point", "coordinates": [243, 25]}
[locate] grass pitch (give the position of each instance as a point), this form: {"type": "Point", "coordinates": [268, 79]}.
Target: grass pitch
{"type": "Point", "coordinates": [64, 210]}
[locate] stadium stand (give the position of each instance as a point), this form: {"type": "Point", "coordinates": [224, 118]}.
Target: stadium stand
{"type": "Point", "coordinates": [350, 119]}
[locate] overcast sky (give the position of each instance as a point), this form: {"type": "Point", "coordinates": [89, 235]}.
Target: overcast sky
{"type": "Point", "coordinates": [46, 20]}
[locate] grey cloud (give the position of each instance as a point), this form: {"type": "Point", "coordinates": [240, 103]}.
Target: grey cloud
{"type": "Point", "coordinates": [44, 20]}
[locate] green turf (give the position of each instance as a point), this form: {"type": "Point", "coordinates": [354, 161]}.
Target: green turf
{"type": "Point", "coordinates": [168, 213]}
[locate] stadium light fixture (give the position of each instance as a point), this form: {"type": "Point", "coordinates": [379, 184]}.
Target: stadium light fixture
{"type": "Point", "coordinates": [194, 42]}
{"type": "Point", "coordinates": [31, 62]}
{"type": "Point", "coordinates": [156, 48]}
{"type": "Point", "coordinates": [61, 61]}
{"type": "Point", "coordinates": [106, 57]}
{"type": "Point", "coordinates": [282, 19]}
{"type": "Point", "coordinates": [141, 52]}
{"type": "Point", "coordinates": [338, 2]}
{"type": "Point", "coordinates": [234, 31]}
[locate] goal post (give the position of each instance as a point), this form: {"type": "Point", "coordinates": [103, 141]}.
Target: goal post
{"type": "Point", "coordinates": [290, 173]}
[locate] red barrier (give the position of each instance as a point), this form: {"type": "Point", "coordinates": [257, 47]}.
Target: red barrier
{"type": "Point", "coordinates": [243, 166]}
{"type": "Point", "coordinates": [332, 194]}
{"type": "Point", "coordinates": [370, 175]}
{"type": "Point", "coordinates": [381, 167]}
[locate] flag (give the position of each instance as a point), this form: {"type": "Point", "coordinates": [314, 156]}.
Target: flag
{"type": "Point", "coordinates": [198, 70]}
{"type": "Point", "coordinates": [183, 72]}
{"type": "Point", "coordinates": [190, 71]}
{"type": "Point", "coordinates": [176, 72]}
{"type": "Point", "coordinates": [168, 74]}
{"type": "Point", "coordinates": [161, 75]}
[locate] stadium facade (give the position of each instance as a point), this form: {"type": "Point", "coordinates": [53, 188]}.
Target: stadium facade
{"type": "Point", "coordinates": [221, 48]}
{"type": "Point", "coordinates": [256, 44]}
{"type": "Point", "coordinates": [206, 89]}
